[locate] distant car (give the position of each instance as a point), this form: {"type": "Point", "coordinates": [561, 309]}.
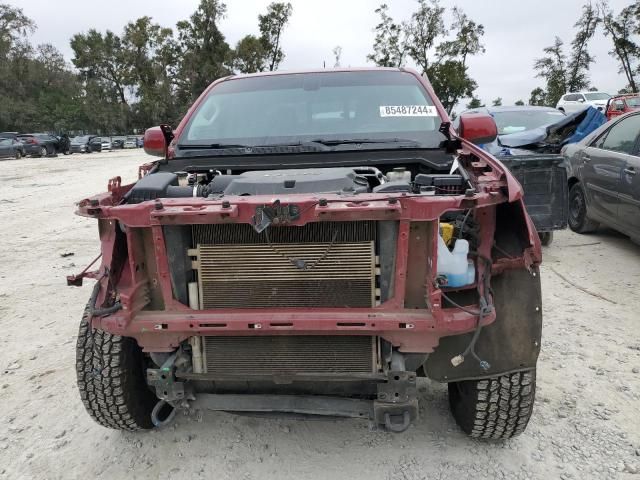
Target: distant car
{"type": "Point", "coordinates": [621, 104]}
{"type": "Point", "coordinates": [604, 178]}
{"type": "Point", "coordinates": [131, 142]}
{"type": "Point", "coordinates": [106, 143]}
{"type": "Point", "coordinates": [574, 102]}
{"type": "Point", "coordinates": [13, 135]}
{"type": "Point", "coordinates": [39, 144]}
{"type": "Point", "coordinates": [117, 143]}
{"type": "Point", "coordinates": [86, 144]}
{"type": "Point", "coordinates": [11, 148]}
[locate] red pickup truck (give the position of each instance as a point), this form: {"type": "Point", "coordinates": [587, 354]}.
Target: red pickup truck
{"type": "Point", "coordinates": [313, 242]}
{"type": "Point", "coordinates": [621, 104]}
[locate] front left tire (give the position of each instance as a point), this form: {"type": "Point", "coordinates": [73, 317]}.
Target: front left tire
{"type": "Point", "coordinates": [111, 379]}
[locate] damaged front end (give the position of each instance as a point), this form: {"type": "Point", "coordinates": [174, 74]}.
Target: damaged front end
{"type": "Point", "coordinates": [333, 294]}
{"type": "Point", "coordinates": [322, 277]}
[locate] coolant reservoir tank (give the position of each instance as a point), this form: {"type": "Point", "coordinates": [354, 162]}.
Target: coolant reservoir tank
{"type": "Point", "coordinates": [455, 265]}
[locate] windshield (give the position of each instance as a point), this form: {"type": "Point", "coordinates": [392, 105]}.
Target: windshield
{"type": "Point", "coordinates": [81, 139]}
{"type": "Point", "coordinates": [519, 121]}
{"type": "Point", "coordinates": [597, 96]}
{"type": "Point", "coordinates": [293, 108]}
{"type": "Point", "coordinates": [6, 142]}
{"type": "Point", "coordinates": [633, 101]}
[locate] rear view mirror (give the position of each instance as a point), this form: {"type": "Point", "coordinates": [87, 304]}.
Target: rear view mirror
{"type": "Point", "coordinates": [478, 128]}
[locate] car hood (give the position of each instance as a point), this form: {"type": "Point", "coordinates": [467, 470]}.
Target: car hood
{"type": "Point", "coordinates": [570, 129]}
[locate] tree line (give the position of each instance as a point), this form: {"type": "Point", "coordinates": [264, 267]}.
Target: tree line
{"type": "Point", "coordinates": [149, 73]}
{"type": "Point", "coordinates": [143, 76]}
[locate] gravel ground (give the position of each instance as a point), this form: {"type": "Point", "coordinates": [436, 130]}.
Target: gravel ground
{"type": "Point", "coordinates": [586, 422]}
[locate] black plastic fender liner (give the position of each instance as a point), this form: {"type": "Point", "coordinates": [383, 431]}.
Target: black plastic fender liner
{"type": "Point", "coordinates": [510, 344]}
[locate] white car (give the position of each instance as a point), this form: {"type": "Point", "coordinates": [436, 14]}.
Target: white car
{"type": "Point", "coordinates": [130, 142]}
{"type": "Point", "coordinates": [573, 102]}
{"type": "Point", "coordinates": [106, 143]}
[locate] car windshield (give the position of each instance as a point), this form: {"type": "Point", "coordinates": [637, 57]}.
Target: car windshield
{"type": "Point", "coordinates": [522, 120]}
{"type": "Point", "coordinates": [81, 139]}
{"type": "Point", "coordinates": [633, 101]}
{"type": "Point", "coordinates": [6, 142]}
{"type": "Point", "coordinates": [597, 96]}
{"type": "Point", "coordinates": [330, 106]}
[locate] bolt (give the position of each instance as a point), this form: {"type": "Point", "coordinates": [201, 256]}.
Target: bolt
{"type": "Point", "coordinates": [226, 204]}
{"type": "Point", "coordinates": [322, 202]}
{"type": "Point", "coordinates": [393, 201]}
{"type": "Point", "coordinates": [158, 205]}
{"type": "Point", "coordinates": [382, 396]}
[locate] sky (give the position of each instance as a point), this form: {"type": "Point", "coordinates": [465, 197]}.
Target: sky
{"type": "Point", "coordinates": [515, 32]}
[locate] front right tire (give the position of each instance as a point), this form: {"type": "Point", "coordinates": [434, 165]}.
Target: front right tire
{"type": "Point", "coordinates": [494, 408]}
{"type": "Point", "coordinates": [111, 379]}
{"type": "Point", "coordinates": [579, 222]}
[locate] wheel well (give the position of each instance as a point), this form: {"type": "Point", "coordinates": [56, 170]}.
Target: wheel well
{"type": "Point", "coordinates": [573, 181]}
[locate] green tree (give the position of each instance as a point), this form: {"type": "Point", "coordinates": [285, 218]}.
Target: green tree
{"type": "Point", "coordinates": [474, 103]}
{"type": "Point", "coordinates": [271, 27]}
{"type": "Point", "coordinates": [537, 97]}
{"type": "Point", "coordinates": [423, 30]}
{"type": "Point", "coordinates": [519, 103]}
{"type": "Point", "coordinates": [581, 59]}
{"type": "Point", "coordinates": [249, 55]}
{"type": "Point", "coordinates": [150, 52]}
{"type": "Point", "coordinates": [497, 102]}
{"type": "Point", "coordinates": [203, 51]}
{"type": "Point", "coordinates": [621, 30]}
{"type": "Point", "coordinates": [422, 38]}
{"type": "Point", "coordinates": [389, 45]}
{"type": "Point", "coordinates": [337, 54]}
{"type": "Point", "coordinates": [451, 82]}
{"type": "Point", "coordinates": [14, 28]}
{"type": "Point", "coordinates": [564, 73]}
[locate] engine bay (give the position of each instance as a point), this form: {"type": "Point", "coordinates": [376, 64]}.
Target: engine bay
{"type": "Point", "coordinates": [338, 180]}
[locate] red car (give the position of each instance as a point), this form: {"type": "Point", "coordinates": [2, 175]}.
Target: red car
{"type": "Point", "coordinates": [312, 242]}
{"type": "Point", "coordinates": [621, 104]}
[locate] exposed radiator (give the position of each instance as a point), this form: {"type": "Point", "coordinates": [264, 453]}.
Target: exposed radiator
{"type": "Point", "coordinates": [281, 355]}
{"type": "Point", "coordinates": [330, 264]}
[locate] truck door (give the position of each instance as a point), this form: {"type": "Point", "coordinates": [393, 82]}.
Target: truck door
{"type": "Point", "coordinates": [603, 168]}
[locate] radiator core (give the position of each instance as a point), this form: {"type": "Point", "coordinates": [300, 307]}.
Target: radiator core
{"type": "Point", "coordinates": [286, 355]}
{"type": "Point", "coordinates": [330, 264]}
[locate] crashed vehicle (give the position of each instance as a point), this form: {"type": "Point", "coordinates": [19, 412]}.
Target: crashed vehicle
{"type": "Point", "coordinates": [529, 142]}
{"type": "Point", "coordinates": [311, 243]}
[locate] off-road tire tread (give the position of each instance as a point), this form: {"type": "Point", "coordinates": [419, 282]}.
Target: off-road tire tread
{"type": "Point", "coordinates": [110, 379]}
{"type": "Point", "coordinates": [495, 408]}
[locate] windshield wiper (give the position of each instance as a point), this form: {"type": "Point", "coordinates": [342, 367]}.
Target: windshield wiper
{"type": "Point", "coordinates": [212, 146]}
{"type": "Point", "coordinates": [350, 141]}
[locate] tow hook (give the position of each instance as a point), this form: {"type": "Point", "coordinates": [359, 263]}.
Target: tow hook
{"type": "Point", "coordinates": [168, 390]}
{"type": "Point", "coordinates": [397, 403]}
{"type": "Point", "coordinates": [155, 414]}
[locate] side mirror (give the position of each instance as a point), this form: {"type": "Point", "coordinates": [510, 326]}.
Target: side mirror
{"type": "Point", "coordinates": [581, 100]}
{"type": "Point", "coordinates": [478, 128]}
{"type": "Point", "coordinates": [155, 142]}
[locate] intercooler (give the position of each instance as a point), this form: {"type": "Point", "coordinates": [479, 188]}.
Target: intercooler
{"type": "Point", "coordinates": [286, 355]}
{"type": "Point", "coordinates": [324, 264]}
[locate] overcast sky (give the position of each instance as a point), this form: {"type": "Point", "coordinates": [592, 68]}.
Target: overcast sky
{"type": "Point", "coordinates": [516, 32]}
